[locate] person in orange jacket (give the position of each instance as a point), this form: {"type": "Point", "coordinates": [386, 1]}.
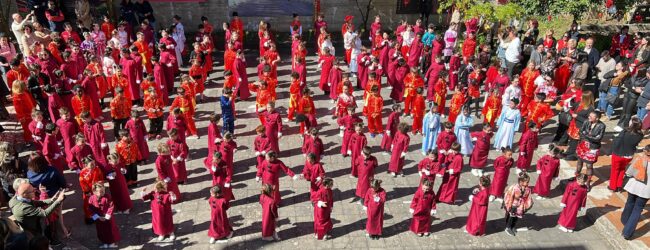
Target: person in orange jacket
{"type": "Point", "coordinates": [294, 95]}
{"type": "Point", "coordinates": [88, 176]}
{"type": "Point", "coordinates": [374, 104]}
{"type": "Point", "coordinates": [412, 82]}
{"type": "Point", "coordinates": [419, 109]}
{"type": "Point", "coordinates": [184, 102]}
{"type": "Point", "coordinates": [24, 103]}
{"type": "Point", "coordinates": [306, 107]}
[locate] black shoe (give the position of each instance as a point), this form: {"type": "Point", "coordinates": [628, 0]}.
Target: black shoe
{"type": "Point", "coordinates": [88, 221]}
{"type": "Point", "coordinates": [510, 232]}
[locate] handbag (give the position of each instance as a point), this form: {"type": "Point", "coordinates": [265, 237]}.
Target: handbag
{"type": "Point", "coordinates": [565, 118]}
{"type": "Point", "coordinates": [633, 172]}
{"type": "Point", "coordinates": [613, 99]}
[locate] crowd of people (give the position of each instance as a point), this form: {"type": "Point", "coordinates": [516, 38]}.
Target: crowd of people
{"type": "Point", "coordinates": [61, 79]}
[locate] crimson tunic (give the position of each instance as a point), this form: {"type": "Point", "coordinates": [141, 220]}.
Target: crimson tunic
{"type": "Point", "coordinates": [162, 220]}
{"type": "Point", "coordinates": [241, 79]}
{"type": "Point", "coordinates": [89, 85]}
{"type": "Point", "coordinates": [366, 170]}
{"type": "Point", "coordinates": [432, 77]}
{"type": "Point", "coordinates": [161, 81]}
{"type": "Point", "coordinates": [550, 168]}
{"type": "Point", "coordinates": [67, 130]}
{"type": "Point", "coordinates": [214, 138]}
{"type": "Point", "coordinates": [219, 223]}
{"type": "Point", "coordinates": [273, 126]}
{"type": "Point", "coordinates": [429, 169]}
{"type": "Point", "coordinates": [53, 153]}
{"type": "Point", "coordinates": [478, 213]}
{"type": "Point", "coordinates": [314, 173]}
{"type": "Point", "coordinates": [374, 203]}
{"type": "Point", "coordinates": [326, 62]}
{"type": "Point", "coordinates": [129, 68]}
{"type": "Point", "coordinates": [227, 150]}
{"type": "Point", "coordinates": [415, 51]}
{"type": "Point", "coordinates": [400, 145]}
{"type": "Point", "coordinates": [77, 154]}
{"type": "Point", "coordinates": [322, 220]}
{"type": "Point", "coordinates": [269, 172]}
{"type": "Point", "coordinates": [165, 171]}
{"type": "Point", "coordinates": [269, 215]}
{"type": "Point", "coordinates": [479, 157]}
{"type": "Point", "coordinates": [177, 122]}
{"type": "Point", "coordinates": [422, 204]}
{"type": "Point", "coordinates": [221, 174]}
{"type": "Point", "coordinates": [397, 93]}
{"type": "Point", "coordinates": [94, 133]}
{"type": "Point", "coordinates": [138, 133]}
{"type": "Point", "coordinates": [449, 187]}
{"type": "Point", "coordinates": [391, 125]}
{"type": "Point", "coordinates": [334, 78]}
{"type": "Point", "coordinates": [117, 186]}
{"type": "Point", "coordinates": [356, 144]}
{"type": "Point", "coordinates": [54, 103]}
{"type": "Point", "coordinates": [315, 146]}
{"type": "Point", "coordinates": [347, 124]}
{"type": "Point", "coordinates": [107, 231]}
{"type": "Point", "coordinates": [261, 145]}
{"type": "Point", "coordinates": [501, 171]}
{"type": "Point", "coordinates": [179, 151]}
{"type": "Point", "coordinates": [527, 145]}
{"type": "Point", "coordinates": [575, 198]}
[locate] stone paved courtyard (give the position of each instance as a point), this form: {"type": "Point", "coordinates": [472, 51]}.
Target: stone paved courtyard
{"type": "Point", "coordinates": [295, 222]}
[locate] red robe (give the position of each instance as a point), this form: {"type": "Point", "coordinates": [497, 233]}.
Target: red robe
{"type": "Point", "coordinates": [261, 145]}
{"type": "Point", "coordinates": [161, 81]}
{"type": "Point", "coordinates": [165, 172]}
{"type": "Point", "coordinates": [527, 145]}
{"type": "Point", "coordinates": [94, 133]}
{"type": "Point", "coordinates": [54, 103]}
{"type": "Point", "coordinates": [241, 77]}
{"type": "Point", "coordinates": [117, 186]}
{"type": "Point", "coordinates": [415, 52]}
{"type": "Point", "coordinates": [575, 198]}
{"type": "Point", "coordinates": [38, 134]}
{"type": "Point", "coordinates": [429, 170]}
{"type": "Point", "coordinates": [227, 150]}
{"type": "Point", "coordinates": [501, 172]}
{"type": "Point", "coordinates": [478, 213]}
{"type": "Point", "coordinates": [550, 168]}
{"type": "Point", "coordinates": [177, 122]}
{"type": "Point", "coordinates": [346, 123]}
{"type": "Point", "coordinates": [53, 153]}
{"type": "Point", "coordinates": [445, 139]}
{"type": "Point", "coordinates": [315, 146]}
{"type": "Point", "coordinates": [77, 154]}
{"type": "Point", "coordinates": [334, 78]}
{"type": "Point", "coordinates": [322, 220]}
{"type": "Point", "coordinates": [326, 62]}
{"type": "Point", "coordinates": [221, 175]}
{"type": "Point", "coordinates": [400, 146]}
{"type": "Point", "coordinates": [214, 138]}
{"type": "Point", "coordinates": [373, 201]}
{"type": "Point", "coordinates": [432, 78]}
{"type": "Point", "coordinates": [269, 215]}
{"type": "Point", "coordinates": [538, 113]}
{"type": "Point", "coordinates": [527, 83]}
{"type": "Point", "coordinates": [138, 133]}
{"type": "Point", "coordinates": [83, 103]}
{"type": "Point", "coordinates": [439, 95]}
{"type": "Point", "coordinates": [162, 220]}
{"type": "Point", "coordinates": [356, 144]}
{"type": "Point", "coordinates": [273, 125]}
{"type": "Point", "coordinates": [314, 174]}
{"type": "Point", "coordinates": [479, 157]}
{"type": "Point", "coordinates": [179, 151]}
{"type": "Point", "coordinates": [219, 224]}
{"type": "Point", "coordinates": [457, 102]}
{"type": "Point", "coordinates": [397, 93]}
{"type": "Point", "coordinates": [269, 173]}
{"type": "Point", "coordinates": [449, 187]}
{"type": "Point", "coordinates": [422, 204]}
{"type": "Point", "coordinates": [469, 47]}
{"type": "Point", "coordinates": [107, 230]}
{"type": "Point", "coordinates": [391, 127]}
{"type": "Point", "coordinates": [366, 170]}
{"type": "Point", "coordinates": [363, 61]}
{"type": "Point", "coordinates": [87, 178]}
{"type": "Point", "coordinates": [130, 70]}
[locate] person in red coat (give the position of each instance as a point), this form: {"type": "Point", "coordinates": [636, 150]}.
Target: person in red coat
{"type": "Point", "coordinates": [374, 104]}
{"type": "Point", "coordinates": [314, 173]}
{"type": "Point", "coordinates": [221, 174]}
{"type": "Point", "coordinates": [160, 78]}
{"type": "Point", "coordinates": [423, 206]}
{"type": "Point", "coordinates": [469, 47]}
{"type": "Point", "coordinates": [95, 136]}
{"type": "Point", "coordinates": [162, 220]}
{"type": "Point", "coordinates": [37, 129]}
{"type": "Point", "coordinates": [621, 43]}
{"type": "Point", "coordinates": [80, 151]}
{"type": "Point", "coordinates": [412, 82]}
{"type": "Point", "coordinates": [269, 213]}
{"type": "Point", "coordinates": [366, 165]}
{"type": "Point", "coordinates": [573, 201]}
{"type": "Point", "coordinates": [449, 187]}
{"type": "Point", "coordinates": [165, 170]}
{"type": "Point", "coordinates": [445, 139]}
{"type": "Point", "coordinates": [323, 210]}
{"type": "Point", "coordinates": [479, 158]}
{"type": "Point", "coordinates": [228, 147]}
{"type": "Point", "coordinates": [313, 144]}
{"type": "Point", "coordinates": [179, 152]}
{"type": "Point", "coordinates": [502, 165]}
{"type": "Point", "coordinates": [548, 168]}
{"type": "Point", "coordinates": [101, 205]}
{"type": "Point", "coordinates": [261, 145]}
{"type": "Point", "coordinates": [51, 149]}
{"type": "Point", "coordinates": [478, 211]}
{"type": "Point", "coordinates": [357, 142]}
{"type": "Point", "coordinates": [373, 204]}
{"type": "Point", "coordinates": [88, 177]}
{"type": "Point", "coordinates": [527, 145]}
{"type": "Point", "coordinates": [439, 92]}
{"type": "Point", "coordinates": [138, 133]}
{"type": "Point", "coordinates": [419, 110]}
{"type": "Point", "coordinates": [415, 51]}
{"type": "Point", "coordinates": [220, 229]}
{"type": "Point", "coordinates": [214, 138]}
{"type": "Point", "coordinates": [334, 78]}
{"type": "Point", "coordinates": [347, 125]}
{"type": "Point", "coordinates": [399, 148]}
{"type": "Point", "coordinates": [114, 173]}
{"type": "Point", "coordinates": [129, 68]}
{"type": "Point", "coordinates": [241, 77]}
{"type": "Point", "coordinates": [430, 167]}
{"type": "Point", "coordinates": [325, 64]}
{"type": "Point", "coordinates": [399, 78]}
{"type": "Point", "coordinates": [176, 120]}
{"type": "Point", "coordinates": [269, 173]}
{"type": "Point", "coordinates": [273, 126]}
{"type": "Point", "coordinates": [391, 127]}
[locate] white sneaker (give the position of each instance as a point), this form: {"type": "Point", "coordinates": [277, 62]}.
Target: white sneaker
{"type": "Point", "coordinates": [424, 154]}
{"type": "Point", "coordinates": [618, 129]}
{"type": "Point", "coordinates": [491, 198]}
{"type": "Point", "coordinates": [102, 246]}
{"type": "Point", "coordinates": [212, 240]}
{"type": "Point", "coordinates": [498, 200]}
{"type": "Point", "coordinates": [111, 246]}
{"type": "Point", "coordinates": [480, 172]}
{"type": "Point", "coordinates": [563, 229]}
{"type": "Point", "coordinates": [172, 237]}
{"type": "Point", "coordinates": [161, 238]}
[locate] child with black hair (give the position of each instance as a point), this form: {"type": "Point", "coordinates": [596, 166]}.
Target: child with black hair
{"type": "Point", "coordinates": [129, 154]}
{"type": "Point", "coordinates": [220, 229]}
{"type": "Point", "coordinates": [154, 106]}
{"type": "Point", "coordinates": [478, 212]}
{"type": "Point", "coordinates": [227, 102]}
{"type": "Point", "coordinates": [323, 210]}
{"type": "Point", "coordinates": [373, 204]}
{"type": "Point", "coordinates": [527, 145]}
{"type": "Point", "coordinates": [391, 127]}
{"type": "Point", "coordinates": [548, 169]}
{"type": "Point", "coordinates": [574, 200]}
{"type": "Point", "coordinates": [366, 165]}
{"type": "Point", "coordinates": [450, 180]}
{"type": "Point", "coordinates": [399, 149]}
{"type": "Point", "coordinates": [502, 165]}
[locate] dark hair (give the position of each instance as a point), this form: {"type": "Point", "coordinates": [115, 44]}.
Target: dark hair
{"type": "Point", "coordinates": [523, 177]}
{"type": "Point", "coordinates": [366, 150]}
{"type": "Point", "coordinates": [484, 181]}
{"type": "Point", "coordinates": [635, 125]}
{"type": "Point", "coordinates": [37, 163]}
{"type": "Point", "coordinates": [506, 149]}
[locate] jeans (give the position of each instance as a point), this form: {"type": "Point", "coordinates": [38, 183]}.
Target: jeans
{"type": "Point", "coordinates": [632, 213]}
{"type": "Point", "coordinates": [641, 112]}
{"type": "Point", "coordinates": [602, 101]}
{"type": "Point", "coordinates": [228, 125]}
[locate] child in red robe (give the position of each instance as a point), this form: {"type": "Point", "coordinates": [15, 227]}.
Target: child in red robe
{"type": "Point", "coordinates": [419, 110]}
{"type": "Point", "coordinates": [88, 177]}
{"type": "Point", "coordinates": [165, 170]}
{"type": "Point", "coordinates": [313, 144]}
{"type": "Point", "coordinates": [373, 204]}
{"type": "Point", "coordinates": [261, 145]}
{"type": "Point", "coordinates": [269, 213]}
{"type": "Point", "coordinates": [294, 95]}
{"type": "Point", "coordinates": [323, 210]}
{"type": "Point", "coordinates": [445, 139]}
{"type": "Point", "coordinates": [457, 101]}
{"type": "Point", "coordinates": [228, 148]}
{"type": "Point", "coordinates": [573, 201]}
{"type": "Point", "coordinates": [412, 82]}
{"type": "Point", "coordinates": [214, 138]}
{"type": "Point", "coordinates": [101, 206]}
{"type": "Point", "coordinates": [120, 111]}
{"type": "Point", "coordinates": [94, 133]}
{"type": "Point", "coordinates": [269, 173]}
{"type": "Point", "coordinates": [306, 107]}
{"type": "Point", "coordinates": [366, 165]}
{"type": "Point", "coordinates": [273, 126]}
{"type": "Point", "coordinates": [440, 93]}
{"type": "Point", "coordinates": [77, 154]}
{"type": "Point", "coordinates": [162, 220]}
{"type": "Point", "coordinates": [51, 150]}
{"type": "Point", "coordinates": [346, 125]}
{"type": "Point", "coordinates": [372, 109]}
{"type": "Point", "coordinates": [24, 104]}
{"type": "Point", "coordinates": [356, 144]}
{"type": "Point", "coordinates": [221, 173]}
{"type": "Point", "coordinates": [538, 111]}
{"type": "Point", "coordinates": [185, 103]}
{"type": "Point", "coordinates": [479, 158]}
{"type": "Point", "coordinates": [423, 206]}
{"type": "Point", "coordinates": [137, 130]}
{"type": "Point", "coordinates": [314, 173]}
{"type": "Point", "coordinates": [449, 187]}
{"type": "Point", "coordinates": [345, 98]}
{"type": "Point", "coordinates": [114, 173]}
{"type": "Point", "coordinates": [129, 154]}
{"type": "Point", "coordinates": [176, 120]}
{"type": "Point", "coordinates": [548, 169]}
{"type": "Point", "coordinates": [197, 72]}
{"type": "Point", "coordinates": [391, 128]}
{"type": "Point", "coordinates": [478, 211]}
{"type": "Point", "coordinates": [147, 84]}
{"type": "Point", "coordinates": [37, 129]}
{"type": "Point", "coordinates": [325, 64]}
{"type": "Point", "coordinates": [430, 167]}
{"type": "Point", "coordinates": [527, 145]}
{"type": "Point", "coordinates": [179, 152]}
{"type": "Point", "coordinates": [502, 165]}
{"type": "Point", "coordinates": [220, 229]}
{"type": "Point", "coordinates": [399, 148]}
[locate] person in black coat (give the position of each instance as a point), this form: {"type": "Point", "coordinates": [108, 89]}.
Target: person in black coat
{"type": "Point", "coordinates": [633, 89]}
{"type": "Point", "coordinates": [591, 135]}
{"type": "Point", "coordinates": [593, 56]}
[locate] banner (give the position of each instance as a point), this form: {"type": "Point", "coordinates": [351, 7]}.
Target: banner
{"type": "Point", "coordinates": [268, 8]}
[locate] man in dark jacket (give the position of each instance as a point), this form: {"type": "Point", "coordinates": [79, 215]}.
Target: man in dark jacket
{"type": "Point", "coordinates": [29, 213]}
{"type": "Point", "coordinates": [592, 57]}
{"type": "Point", "coordinates": [643, 99]}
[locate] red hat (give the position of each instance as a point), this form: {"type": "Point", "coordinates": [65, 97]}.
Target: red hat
{"type": "Point", "coordinates": [348, 18]}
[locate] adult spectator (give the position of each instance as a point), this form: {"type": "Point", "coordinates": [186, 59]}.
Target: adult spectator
{"type": "Point", "coordinates": [624, 147]}
{"type": "Point", "coordinates": [127, 13]}
{"type": "Point", "coordinates": [644, 98]}
{"type": "Point", "coordinates": [613, 82]}
{"type": "Point", "coordinates": [641, 54]}
{"type": "Point", "coordinates": [38, 8]}
{"type": "Point", "coordinates": [43, 34]}
{"type": "Point", "coordinates": [605, 65]}
{"type": "Point", "coordinates": [638, 190]}
{"type": "Point", "coordinates": [574, 31]}
{"type": "Point", "coordinates": [40, 173]}
{"type": "Point", "coordinates": [581, 67]}
{"type": "Point", "coordinates": [588, 149]}
{"type": "Point", "coordinates": [54, 16]}
{"type": "Point", "coordinates": [537, 55]}
{"type": "Point", "coordinates": [633, 89]}
{"type": "Point", "coordinates": [17, 27]}
{"type": "Point", "coordinates": [29, 39]}
{"type": "Point", "coordinates": [592, 57]}
{"type": "Point", "coordinates": [513, 52]}
{"type": "Point", "coordinates": [621, 42]}
{"type": "Point", "coordinates": [145, 12]}
{"type": "Point", "coordinates": [7, 53]}
{"type": "Point", "coordinates": [580, 114]}
{"type": "Point", "coordinates": [11, 167]}
{"type": "Point", "coordinates": [28, 211]}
